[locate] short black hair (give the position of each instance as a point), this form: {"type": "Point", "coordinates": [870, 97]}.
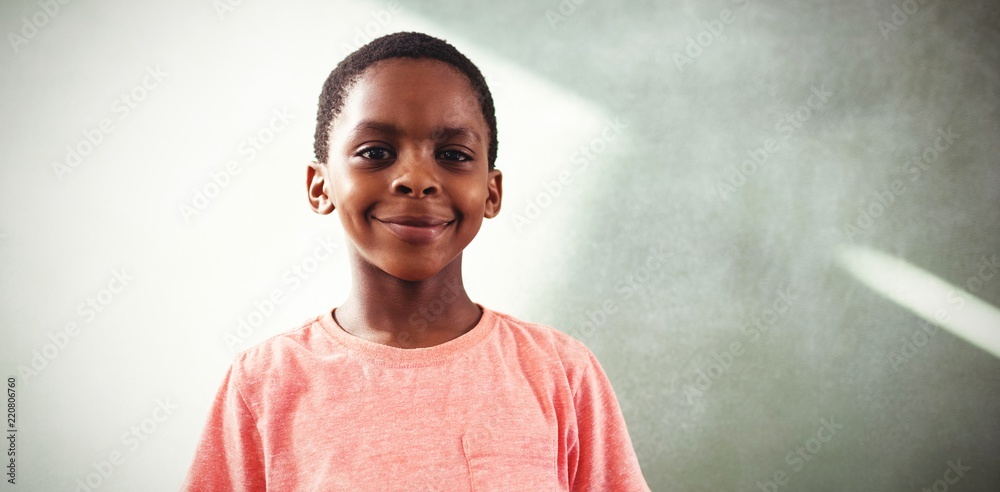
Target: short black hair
{"type": "Point", "coordinates": [397, 45]}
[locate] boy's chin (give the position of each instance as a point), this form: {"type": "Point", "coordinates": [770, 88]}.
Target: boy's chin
{"type": "Point", "coordinates": [412, 272]}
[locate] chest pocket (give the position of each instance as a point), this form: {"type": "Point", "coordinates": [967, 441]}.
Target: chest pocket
{"type": "Point", "coordinates": [511, 460]}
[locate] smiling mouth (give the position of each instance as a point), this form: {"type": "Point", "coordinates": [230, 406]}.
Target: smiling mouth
{"type": "Point", "coordinates": [415, 229]}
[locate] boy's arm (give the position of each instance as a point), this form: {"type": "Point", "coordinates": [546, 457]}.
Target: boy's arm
{"type": "Point", "coordinates": [229, 456]}
{"type": "Point", "coordinates": [605, 458]}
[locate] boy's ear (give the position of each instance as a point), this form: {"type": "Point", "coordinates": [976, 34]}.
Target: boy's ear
{"type": "Point", "coordinates": [494, 187]}
{"type": "Point", "coordinates": [316, 186]}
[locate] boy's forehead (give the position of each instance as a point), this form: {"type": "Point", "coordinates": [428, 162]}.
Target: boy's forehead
{"type": "Point", "coordinates": [406, 92]}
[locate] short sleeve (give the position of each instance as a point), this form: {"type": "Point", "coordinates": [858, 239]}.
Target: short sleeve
{"type": "Point", "coordinates": [229, 456]}
{"type": "Point", "coordinates": [606, 459]}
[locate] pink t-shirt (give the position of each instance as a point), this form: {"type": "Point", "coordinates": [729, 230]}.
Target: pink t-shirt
{"type": "Point", "coordinates": [507, 406]}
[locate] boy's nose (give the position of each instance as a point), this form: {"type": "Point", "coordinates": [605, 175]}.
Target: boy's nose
{"type": "Point", "coordinates": [416, 178]}
{"type": "Point", "coordinates": [408, 190]}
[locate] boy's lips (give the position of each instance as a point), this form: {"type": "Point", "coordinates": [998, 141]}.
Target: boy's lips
{"type": "Point", "coordinates": [415, 229]}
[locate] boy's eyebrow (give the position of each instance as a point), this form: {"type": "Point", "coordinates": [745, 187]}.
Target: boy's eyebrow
{"type": "Point", "coordinates": [441, 133]}
{"type": "Point", "coordinates": [451, 131]}
{"type": "Point", "coordinates": [377, 126]}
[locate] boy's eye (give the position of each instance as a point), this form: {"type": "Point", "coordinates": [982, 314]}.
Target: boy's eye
{"type": "Point", "coordinates": [453, 155]}
{"type": "Point", "coordinates": [376, 153]}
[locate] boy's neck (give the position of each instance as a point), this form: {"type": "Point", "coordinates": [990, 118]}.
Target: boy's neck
{"type": "Point", "coordinates": [387, 310]}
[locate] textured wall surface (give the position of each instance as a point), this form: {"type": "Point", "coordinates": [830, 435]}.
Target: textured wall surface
{"type": "Point", "coordinates": [683, 183]}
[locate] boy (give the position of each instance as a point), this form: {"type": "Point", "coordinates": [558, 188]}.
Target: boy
{"type": "Point", "coordinates": [408, 384]}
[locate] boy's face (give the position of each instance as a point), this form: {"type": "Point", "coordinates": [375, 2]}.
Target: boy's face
{"type": "Point", "coordinates": [407, 167]}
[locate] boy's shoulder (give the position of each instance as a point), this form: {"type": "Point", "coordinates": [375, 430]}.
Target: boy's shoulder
{"type": "Point", "coordinates": [543, 335]}
{"type": "Point", "coordinates": [305, 338]}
